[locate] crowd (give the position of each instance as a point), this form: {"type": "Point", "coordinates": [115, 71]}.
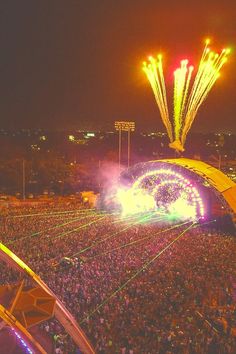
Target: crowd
{"type": "Point", "coordinates": [128, 296]}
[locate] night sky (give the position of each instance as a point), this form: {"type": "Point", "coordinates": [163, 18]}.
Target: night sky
{"type": "Point", "coordinates": [77, 63]}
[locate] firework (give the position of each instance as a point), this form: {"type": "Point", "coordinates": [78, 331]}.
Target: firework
{"type": "Point", "coordinates": [188, 97]}
{"type": "Point", "coordinates": [182, 77]}
{"type": "Point", "coordinates": [154, 72]}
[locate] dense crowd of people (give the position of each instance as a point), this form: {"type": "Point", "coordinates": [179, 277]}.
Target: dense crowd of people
{"type": "Point", "coordinates": [134, 287]}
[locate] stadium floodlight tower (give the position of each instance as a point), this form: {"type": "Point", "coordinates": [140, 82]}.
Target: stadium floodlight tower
{"type": "Point", "coordinates": [126, 127]}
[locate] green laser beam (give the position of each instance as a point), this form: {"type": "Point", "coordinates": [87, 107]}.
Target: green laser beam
{"type": "Point", "coordinates": [137, 241]}
{"type": "Point", "coordinates": [64, 215]}
{"type": "Point", "coordinates": [205, 223]}
{"type": "Point", "coordinates": [52, 228]}
{"type": "Point", "coordinates": [106, 238]}
{"type": "Point", "coordinates": [127, 218]}
{"type": "Point", "coordinates": [52, 213]}
{"type": "Point", "coordinates": [80, 227]}
{"type": "Point", "coordinates": [143, 268]}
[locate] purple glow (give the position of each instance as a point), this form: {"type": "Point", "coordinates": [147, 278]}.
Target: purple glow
{"type": "Point", "coordinates": [23, 343]}
{"type": "Point", "coordinates": [164, 191]}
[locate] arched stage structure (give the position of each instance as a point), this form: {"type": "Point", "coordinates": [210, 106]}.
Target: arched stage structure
{"type": "Point", "coordinates": [60, 312]}
{"type": "Point", "coordinates": [211, 180]}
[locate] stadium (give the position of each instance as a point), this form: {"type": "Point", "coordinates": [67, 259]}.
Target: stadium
{"type": "Point", "coordinates": [103, 251]}
{"type": "Point", "coordinates": [107, 240]}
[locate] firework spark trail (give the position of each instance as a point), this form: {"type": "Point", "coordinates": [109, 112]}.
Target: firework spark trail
{"type": "Point", "coordinates": [187, 101]}
{"type": "Point", "coordinates": [159, 76]}
{"type": "Point", "coordinates": [190, 70]}
{"type": "Point", "coordinates": [212, 79]}
{"type": "Point", "coordinates": [154, 73]}
{"type": "Point", "coordinates": [140, 270]}
{"type": "Point", "coordinates": [138, 240]}
{"type": "Point", "coordinates": [164, 95]}
{"type": "Point", "coordinates": [198, 75]}
{"type": "Point", "coordinates": [179, 84]}
{"type": "Point", "coordinates": [182, 77]}
{"type": "Point", "coordinates": [158, 82]}
{"type": "Point", "coordinates": [208, 72]}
